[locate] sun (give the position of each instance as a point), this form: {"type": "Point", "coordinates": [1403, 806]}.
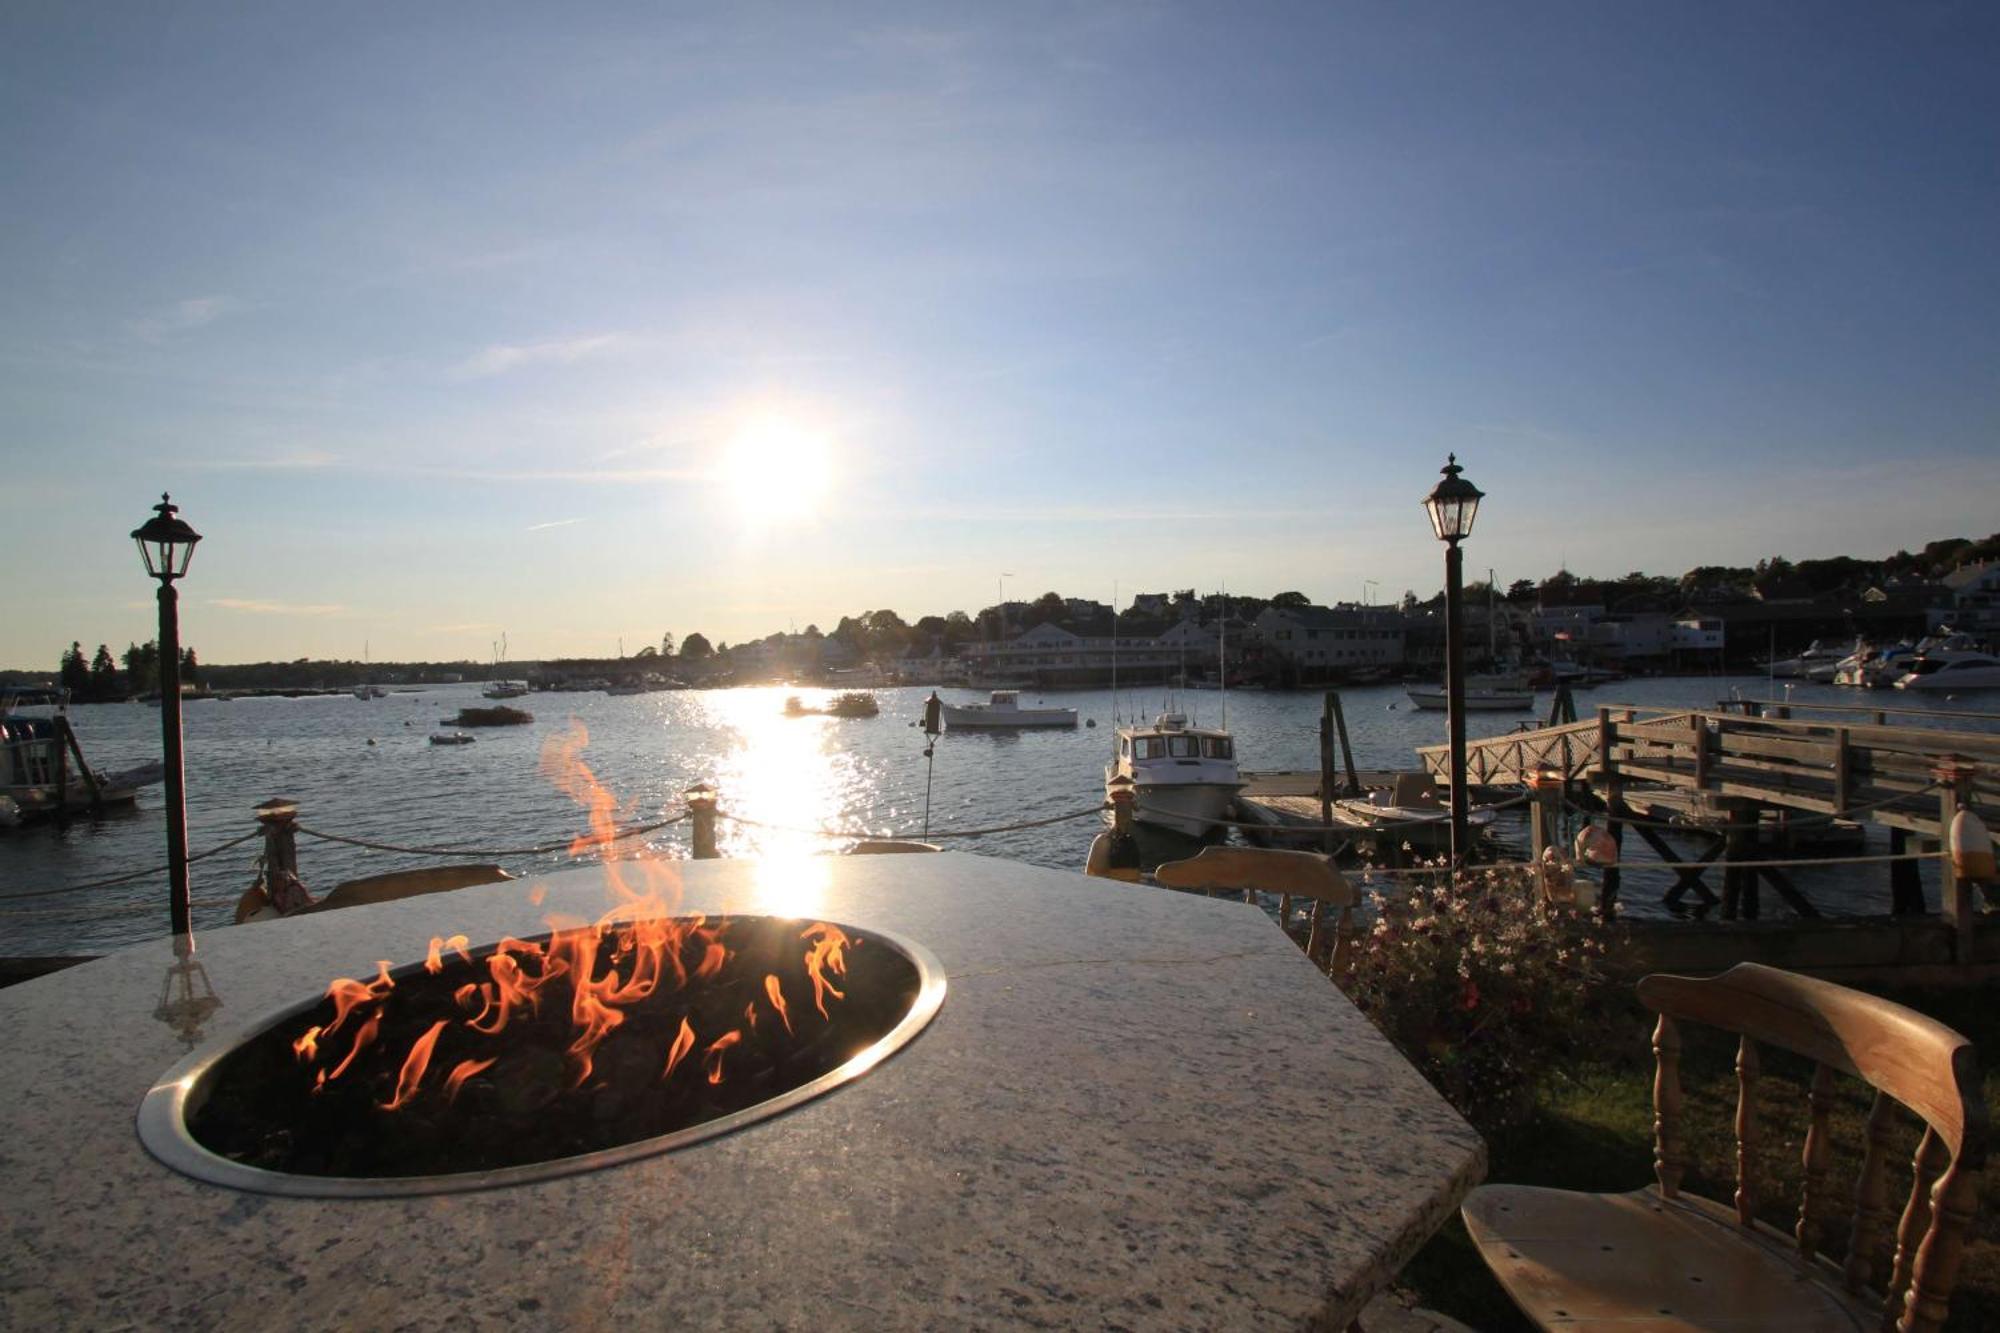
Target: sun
{"type": "Point", "coordinates": [777, 470]}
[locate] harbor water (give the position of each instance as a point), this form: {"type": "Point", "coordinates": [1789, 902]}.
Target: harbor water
{"type": "Point", "coordinates": [365, 769]}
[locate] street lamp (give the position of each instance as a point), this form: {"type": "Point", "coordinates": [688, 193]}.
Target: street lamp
{"type": "Point", "coordinates": [166, 544]}
{"type": "Point", "coordinates": [1453, 503]}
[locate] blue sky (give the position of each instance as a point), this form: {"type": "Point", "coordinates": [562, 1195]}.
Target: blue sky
{"type": "Point", "coordinates": [446, 320]}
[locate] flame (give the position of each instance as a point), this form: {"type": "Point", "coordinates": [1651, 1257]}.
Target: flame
{"type": "Point", "coordinates": [777, 994]}
{"type": "Point", "coordinates": [414, 1065]}
{"type": "Point", "coordinates": [712, 1057]}
{"type": "Point", "coordinates": [683, 1043]}
{"type": "Point", "coordinates": [462, 1071]}
{"type": "Point", "coordinates": [364, 1035]}
{"type": "Point", "coordinates": [632, 952]}
{"type": "Point", "coordinates": [827, 954]}
{"type": "Point", "coordinates": [434, 961]}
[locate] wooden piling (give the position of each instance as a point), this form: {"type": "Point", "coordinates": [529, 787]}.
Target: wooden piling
{"type": "Point", "coordinates": [701, 821]}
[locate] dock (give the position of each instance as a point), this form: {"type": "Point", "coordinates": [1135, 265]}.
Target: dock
{"type": "Point", "coordinates": [1285, 810]}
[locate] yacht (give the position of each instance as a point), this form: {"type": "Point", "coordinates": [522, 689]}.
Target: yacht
{"type": "Point", "coordinates": [1003, 710]}
{"type": "Point", "coordinates": [1184, 778]}
{"type": "Point", "coordinates": [1818, 656]}
{"type": "Point", "coordinates": [1954, 671]}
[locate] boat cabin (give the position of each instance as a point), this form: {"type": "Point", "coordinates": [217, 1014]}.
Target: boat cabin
{"type": "Point", "coordinates": [28, 751]}
{"type": "Point", "coordinates": [1170, 737]}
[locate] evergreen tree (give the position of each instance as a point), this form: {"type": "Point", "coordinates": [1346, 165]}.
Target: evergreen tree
{"type": "Point", "coordinates": [75, 672]}
{"type": "Point", "coordinates": [103, 674]}
{"type": "Point", "coordinates": [190, 669]}
{"type": "Point", "coordinates": [696, 646]}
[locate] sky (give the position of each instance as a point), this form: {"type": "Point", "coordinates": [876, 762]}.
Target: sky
{"type": "Point", "coordinates": [583, 324]}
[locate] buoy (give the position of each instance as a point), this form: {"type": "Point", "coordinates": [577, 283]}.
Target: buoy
{"type": "Point", "coordinates": [1971, 847]}
{"type": "Point", "coordinates": [1594, 846]}
{"type": "Point", "coordinates": [1090, 722]}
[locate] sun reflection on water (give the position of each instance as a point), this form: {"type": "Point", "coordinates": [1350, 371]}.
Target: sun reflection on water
{"type": "Point", "coordinates": [788, 775]}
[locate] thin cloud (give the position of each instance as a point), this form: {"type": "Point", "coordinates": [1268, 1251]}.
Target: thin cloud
{"type": "Point", "coordinates": [502, 358]}
{"type": "Point", "coordinates": [181, 317]}
{"type": "Point", "coordinates": [289, 460]}
{"type": "Point", "coordinates": [558, 523]}
{"type": "Point", "coordinates": [259, 607]}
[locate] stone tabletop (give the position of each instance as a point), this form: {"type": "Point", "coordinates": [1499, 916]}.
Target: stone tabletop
{"type": "Point", "coordinates": [1136, 1109]}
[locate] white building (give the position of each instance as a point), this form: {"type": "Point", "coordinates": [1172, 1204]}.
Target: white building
{"type": "Point", "coordinates": [1317, 639]}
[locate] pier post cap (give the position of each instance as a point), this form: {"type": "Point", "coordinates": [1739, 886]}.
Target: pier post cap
{"type": "Point", "coordinates": [279, 809]}
{"type": "Point", "coordinates": [701, 793]}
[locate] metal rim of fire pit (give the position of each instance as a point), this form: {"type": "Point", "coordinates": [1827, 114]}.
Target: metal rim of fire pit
{"type": "Point", "coordinates": [162, 1119]}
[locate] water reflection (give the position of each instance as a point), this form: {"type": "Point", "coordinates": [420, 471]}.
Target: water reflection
{"type": "Point", "coordinates": [187, 998]}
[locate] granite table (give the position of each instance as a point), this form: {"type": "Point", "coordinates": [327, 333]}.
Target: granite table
{"type": "Point", "coordinates": [1136, 1109]}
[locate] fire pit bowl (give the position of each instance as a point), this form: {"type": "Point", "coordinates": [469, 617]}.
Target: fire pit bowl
{"type": "Point", "coordinates": [475, 1069]}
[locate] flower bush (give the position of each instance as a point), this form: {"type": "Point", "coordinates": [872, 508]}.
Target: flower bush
{"type": "Point", "coordinates": [1482, 983]}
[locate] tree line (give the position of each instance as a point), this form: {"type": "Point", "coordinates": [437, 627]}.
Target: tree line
{"type": "Point", "coordinates": [100, 678]}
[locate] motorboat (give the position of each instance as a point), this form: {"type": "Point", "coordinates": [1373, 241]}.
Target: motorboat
{"type": "Point", "coordinates": [508, 689]}
{"type": "Point", "coordinates": [1183, 778]}
{"type": "Point", "coordinates": [370, 692]}
{"type": "Point", "coordinates": [1407, 813]}
{"type": "Point", "coordinates": [451, 738]}
{"type": "Point", "coordinates": [1003, 711]}
{"type": "Point", "coordinates": [42, 772]}
{"type": "Point", "coordinates": [1869, 667]}
{"type": "Point", "coordinates": [1818, 654]}
{"type": "Point", "coordinates": [1954, 671]}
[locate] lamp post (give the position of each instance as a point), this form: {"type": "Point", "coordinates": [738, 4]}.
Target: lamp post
{"type": "Point", "coordinates": [166, 544]}
{"type": "Point", "coordinates": [1453, 503]}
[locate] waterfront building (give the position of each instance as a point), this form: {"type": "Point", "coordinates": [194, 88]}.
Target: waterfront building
{"type": "Point", "coordinates": [1307, 643]}
{"type": "Point", "coordinates": [1052, 656]}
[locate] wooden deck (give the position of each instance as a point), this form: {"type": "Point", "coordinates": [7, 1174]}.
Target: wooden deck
{"type": "Point", "coordinates": [1884, 773]}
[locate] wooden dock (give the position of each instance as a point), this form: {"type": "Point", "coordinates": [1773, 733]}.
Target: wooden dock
{"type": "Point", "coordinates": [1738, 771]}
{"type": "Point", "coordinates": [1286, 811]}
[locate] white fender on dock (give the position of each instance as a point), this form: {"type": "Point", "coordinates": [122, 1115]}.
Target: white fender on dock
{"type": "Point", "coordinates": [1595, 846]}
{"type": "Point", "coordinates": [1971, 847]}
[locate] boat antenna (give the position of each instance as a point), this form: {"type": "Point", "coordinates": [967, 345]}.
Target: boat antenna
{"type": "Point", "coordinates": [1222, 654]}
{"type": "Point", "coordinates": [1117, 719]}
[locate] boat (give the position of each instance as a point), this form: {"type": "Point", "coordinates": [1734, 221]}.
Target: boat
{"type": "Point", "coordinates": [1953, 671]}
{"type": "Point", "coordinates": [498, 716]}
{"type": "Point", "coordinates": [1408, 813]}
{"type": "Point", "coordinates": [1506, 692]}
{"type": "Point", "coordinates": [451, 738]}
{"type": "Point", "coordinates": [370, 692]}
{"type": "Point", "coordinates": [1818, 654]}
{"type": "Point", "coordinates": [43, 773]}
{"type": "Point", "coordinates": [506, 689]}
{"type": "Point", "coordinates": [1003, 711]}
{"type": "Point", "coordinates": [1183, 778]}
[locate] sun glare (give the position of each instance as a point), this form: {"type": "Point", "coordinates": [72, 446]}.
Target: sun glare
{"type": "Point", "coordinates": [777, 470]}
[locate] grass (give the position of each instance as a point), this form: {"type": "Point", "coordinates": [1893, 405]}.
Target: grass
{"type": "Point", "coordinates": [1592, 1130]}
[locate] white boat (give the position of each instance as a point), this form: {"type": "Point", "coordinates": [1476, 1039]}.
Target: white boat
{"type": "Point", "coordinates": [509, 689]}
{"type": "Point", "coordinates": [1003, 711]}
{"type": "Point", "coordinates": [1818, 655]}
{"type": "Point", "coordinates": [451, 738]}
{"type": "Point", "coordinates": [1183, 778]}
{"type": "Point", "coordinates": [1478, 698]}
{"type": "Point", "coordinates": [370, 692]}
{"type": "Point", "coordinates": [1954, 671]}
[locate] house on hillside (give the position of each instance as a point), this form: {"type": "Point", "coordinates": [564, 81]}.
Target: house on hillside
{"type": "Point", "coordinates": [1974, 605]}
{"type": "Point", "coordinates": [1317, 643]}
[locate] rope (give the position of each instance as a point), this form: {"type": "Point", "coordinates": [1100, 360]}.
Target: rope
{"type": "Point", "coordinates": [943, 833]}
{"type": "Point", "coordinates": [592, 840]}
{"type": "Point", "coordinates": [1674, 865]}
{"type": "Point", "coordinates": [127, 879]}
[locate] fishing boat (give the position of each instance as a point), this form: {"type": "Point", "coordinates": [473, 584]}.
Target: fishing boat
{"type": "Point", "coordinates": [1183, 778]}
{"type": "Point", "coordinates": [1003, 711]}
{"type": "Point", "coordinates": [451, 738]}
{"type": "Point", "coordinates": [509, 689]}
{"type": "Point", "coordinates": [43, 772]}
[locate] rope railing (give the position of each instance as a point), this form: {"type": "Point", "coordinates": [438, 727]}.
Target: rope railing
{"type": "Point", "coordinates": [1385, 826]}
{"type": "Point", "coordinates": [580, 842]}
{"type": "Point", "coordinates": [747, 822]}
{"type": "Point", "coordinates": [128, 878]}
{"type": "Point", "coordinates": [1807, 820]}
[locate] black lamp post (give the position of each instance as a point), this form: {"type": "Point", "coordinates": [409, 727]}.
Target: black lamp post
{"type": "Point", "coordinates": [166, 544]}
{"type": "Point", "coordinates": [1453, 503]}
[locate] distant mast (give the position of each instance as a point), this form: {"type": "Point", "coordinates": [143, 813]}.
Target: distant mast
{"type": "Point", "coordinates": [1222, 654]}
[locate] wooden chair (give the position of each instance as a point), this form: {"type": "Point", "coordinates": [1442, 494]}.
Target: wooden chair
{"type": "Point", "coordinates": [1661, 1259]}
{"type": "Point", "coordinates": [1288, 875]}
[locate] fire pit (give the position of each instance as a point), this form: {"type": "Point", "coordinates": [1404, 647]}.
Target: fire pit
{"type": "Point", "coordinates": [540, 1057]}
